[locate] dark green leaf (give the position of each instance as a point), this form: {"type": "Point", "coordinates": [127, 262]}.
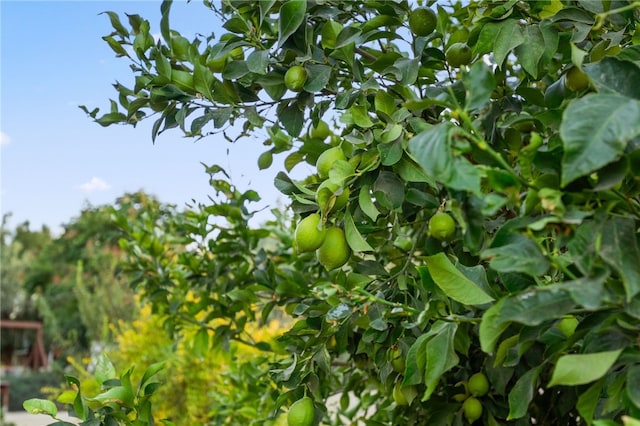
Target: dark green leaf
{"type": "Point", "coordinates": [432, 150]}
{"type": "Point", "coordinates": [606, 77]}
{"type": "Point", "coordinates": [532, 48]}
{"type": "Point", "coordinates": [516, 253]}
{"type": "Point", "coordinates": [479, 84]}
{"type": "Point", "coordinates": [318, 77]}
{"type": "Point", "coordinates": [619, 248]}
{"type": "Point", "coordinates": [292, 118]}
{"type": "Point", "coordinates": [522, 393]}
{"type": "Point", "coordinates": [440, 355]}
{"type": "Point", "coordinates": [258, 61]}
{"type": "Point", "coordinates": [595, 131]}
{"type": "Point", "coordinates": [292, 14]}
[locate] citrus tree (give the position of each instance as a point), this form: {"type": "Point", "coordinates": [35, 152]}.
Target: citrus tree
{"type": "Point", "coordinates": [467, 249]}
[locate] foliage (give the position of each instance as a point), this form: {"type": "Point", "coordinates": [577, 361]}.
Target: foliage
{"type": "Point", "coordinates": [538, 170]}
{"type": "Point", "coordinates": [30, 384]}
{"type": "Point", "coordinates": [199, 386]}
{"type": "Point", "coordinates": [116, 403]}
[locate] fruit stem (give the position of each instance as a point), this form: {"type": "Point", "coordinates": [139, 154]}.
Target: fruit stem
{"type": "Point", "coordinates": [600, 17]}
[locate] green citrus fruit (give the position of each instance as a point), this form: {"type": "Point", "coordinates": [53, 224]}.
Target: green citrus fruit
{"type": "Point", "coordinates": [326, 160]}
{"type": "Point", "coordinates": [458, 36]}
{"type": "Point", "coordinates": [295, 77]}
{"type": "Point", "coordinates": [334, 251]}
{"type": "Point", "coordinates": [575, 79]}
{"type": "Point", "coordinates": [478, 384]}
{"type": "Point", "coordinates": [321, 131]}
{"type": "Point", "coordinates": [472, 409]}
{"type": "Point", "coordinates": [398, 395]}
{"type": "Point", "coordinates": [301, 413]}
{"type": "Point", "coordinates": [309, 234]}
{"type": "Point", "coordinates": [217, 64]}
{"type": "Point", "coordinates": [458, 54]}
{"type": "Point", "coordinates": [237, 53]}
{"type": "Point", "coordinates": [567, 325]}
{"type": "Point", "coordinates": [397, 360]}
{"type": "Point", "coordinates": [422, 21]}
{"type": "Point", "coordinates": [442, 226]}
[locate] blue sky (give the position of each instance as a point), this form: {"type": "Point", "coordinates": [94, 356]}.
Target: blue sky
{"type": "Point", "coordinates": [54, 159]}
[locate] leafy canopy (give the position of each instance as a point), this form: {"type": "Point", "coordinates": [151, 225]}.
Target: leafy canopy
{"type": "Point", "coordinates": [541, 176]}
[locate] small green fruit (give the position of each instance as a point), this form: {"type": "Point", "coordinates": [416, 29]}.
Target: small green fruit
{"type": "Point", "coordinates": [334, 251]}
{"type": "Point", "coordinates": [301, 413]}
{"type": "Point", "coordinates": [472, 409]}
{"type": "Point", "coordinates": [295, 77]}
{"type": "Point", "coordinates": [575, 79]}
{"type": "Point", "coordinates": [422, 21]}
{"type": "Point", "coordinates": [321, 131]}
{"type": "Point", "coordinates": [326, 160]}
{"type": "Point", "coordinates": [442, 226]}
{"type": "Point", "coordinates": [458, 54]}
{"type": "Point", "coordinates": [478, 384]}
{"type": "Point", "coordinates": [309, 234]}
{"type": "Point", "coordinates": [398, 395]}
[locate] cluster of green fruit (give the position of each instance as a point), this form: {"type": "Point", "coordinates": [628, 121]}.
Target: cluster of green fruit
{"type": "Point", "coordinates": [423, 22]}
{"type": "Point", "coordinates": [476, 387]}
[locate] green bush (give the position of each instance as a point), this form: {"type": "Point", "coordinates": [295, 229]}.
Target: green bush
{"type": "Point", "coordinates": [30, 384]}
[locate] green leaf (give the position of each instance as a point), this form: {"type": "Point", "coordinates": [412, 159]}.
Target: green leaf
{"type": "Point", "coordinates": [121, 395]}
{"type": "Point", "coordinates": [522, 393]}
{"type": "Point", "coordinates": [432, 150]}
{"type": "Point", "coordinates": [116, 24]}
{"type": "Point", "coordinates": [354, 238]}
{"type": "Point", "coordinates": [203, 81]}
{"type": "Point", "coordinates": [440, 355]}
{"type": "Point", "coordinates": [595, 131]}
{"type": "Point", "coordinates": [115, 46]}
{"type": "Point", "coordinates": [491, 327]}
{"type": "Point", "coordinates": [532, 48]}
{"type": "Point", "coordinates": [385, 103]}
{"type": "Point", "coordinates": [104, 369]}
{"type": "Point", "coordinates": [40, 406]}
{"type": "Point", "coordinates": [606, 73]}
{"type": "Point", "coordinates": [479, 84]}
{"type": "Point", "coordinates": [330, 32]}
{"type": "Point", "coordinates": [416, 360]}
{"type": "Point", "coordinates": [534, 306]}
{"type": "Point", "coordinates": [573, 370]}
{"type": "Point", "coordinates": [589, 400]}
{"type": "Point", "coordinates": [500, 38]}
{"type": "Point", "coordinates": [292, 14]}
{"type": "Point", "coordinates": [619, 248]}
{"type": "Point", "coordinates": [258, 61]}
{"type": "Point", "coordinates": [453, 283]}
{"type": "Point", "coordinates": [318, 77]}
{"type": "Point", "coordinates": [366, 203]}
{"type": "Point", "coordinates": [516, 253]}
{"type": "Point", "coordinates": [292, 118]}
{"type": "Point", "coordinates": [633, 385]}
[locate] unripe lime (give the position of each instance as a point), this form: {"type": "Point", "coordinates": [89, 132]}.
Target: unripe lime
{"type": "Point", "coordinates": [422, 21]}
{"type": "Point", "coordinates": [321, 131]}
{"type": "Point", "coordinates": [458, 54]}
{"type": "Point", "coordinates": [334, 251]}
{"type": "Point", "coordinates": [309, 234]}
{"type": "Point", "coordinates": [478, 384]}
{"type": "Point", "coordinates": [326, 160]}
{"type": "Point", "coordinates": [472, 409]}
{"type": "Point", "coordinates": [398, 395]}
{"type": "Point", "coordinates": [301, 413]}
{"type": "Point", "coordinates": [442, 226]}
{"type": "Point", "coordinates": [575, 79]}
{"type": "Point", "coordinates": [295, 77]}
{"type": "Point", "coordinates": [217, 64]}
{"type": "Point", "coordinates": [397, 360]}
{"type": "Point", "coordinates": [237, 53]}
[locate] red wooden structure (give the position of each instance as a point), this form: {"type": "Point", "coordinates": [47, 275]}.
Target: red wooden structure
{"type": "Point", "coordinates": [37, 357]}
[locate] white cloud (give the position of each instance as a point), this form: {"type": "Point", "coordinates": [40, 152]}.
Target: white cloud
{"type": "Point", "coordinates": [95, 184]}
{"type": "Point", "coordinates": [4, 138]}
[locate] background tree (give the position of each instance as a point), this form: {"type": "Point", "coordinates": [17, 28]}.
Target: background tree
{"type": "Point", "coordinates": [477, 192]}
